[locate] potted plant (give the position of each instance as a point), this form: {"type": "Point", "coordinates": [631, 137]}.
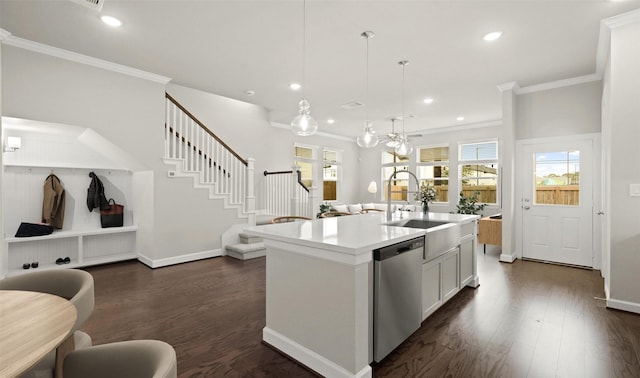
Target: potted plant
{"type": "Point", "coordinates": [469, 205]}
{"type": "Point", "coordinates": [324, 207]}
{"type": "Point", "coordinates": [427, 194]}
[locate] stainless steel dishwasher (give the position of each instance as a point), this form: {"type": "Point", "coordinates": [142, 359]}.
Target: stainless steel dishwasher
{"type": "Point", "coordinates": [397, 275]}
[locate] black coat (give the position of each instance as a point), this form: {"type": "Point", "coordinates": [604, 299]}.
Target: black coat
{"type": "Point", "coordinates": [95, 194]}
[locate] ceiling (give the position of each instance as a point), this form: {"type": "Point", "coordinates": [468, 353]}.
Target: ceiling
{"type": "Point", "coordinates": [231, 47]}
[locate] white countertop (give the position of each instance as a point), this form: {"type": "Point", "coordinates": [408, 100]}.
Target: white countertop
{"type": "Point", "coordinates": [354, 234]}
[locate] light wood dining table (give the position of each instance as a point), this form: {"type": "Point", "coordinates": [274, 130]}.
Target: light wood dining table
{"type": "Point", "coordinates": [31, 325]}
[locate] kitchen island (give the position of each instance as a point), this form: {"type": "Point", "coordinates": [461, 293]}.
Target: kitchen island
{"type": "Point", "coordinates": [319, 284]}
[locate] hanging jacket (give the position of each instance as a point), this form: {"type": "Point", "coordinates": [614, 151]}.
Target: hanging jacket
{"type": "Point", "coordinates": [95, 194]}
{"type": "Point", "coordinates": [53, 202]}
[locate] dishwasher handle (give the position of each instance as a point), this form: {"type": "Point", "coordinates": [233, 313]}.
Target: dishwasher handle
{"type": "Point", "coordinates": [390, 251]}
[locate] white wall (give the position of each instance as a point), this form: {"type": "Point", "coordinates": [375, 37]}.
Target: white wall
{"type": "Point", "coordinates": [625, 133]}
{"type": "Point", "coordinates": [130, 113]}
{"type": "Point", "coordinates": [369, 163]}
{"type": "Point", "coordinates": [605, 187]}
{"type": "Point", "coordinates": [560, 111]}
{"type": "Point", "coordinates": [3, 252]}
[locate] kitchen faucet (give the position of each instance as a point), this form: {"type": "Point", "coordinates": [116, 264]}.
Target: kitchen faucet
{"type": "Point", "coordinates": [389, 190]}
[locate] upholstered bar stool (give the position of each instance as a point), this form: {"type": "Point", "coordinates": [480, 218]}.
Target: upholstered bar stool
{"type": "Point", "coordinates": [72, 284]}
{"type": "Point", "coordinates": [125, 359]}
{"type": "Point", "coordinates": [289, 218]}
{"type": "Point", "coordinates": [331, 214]}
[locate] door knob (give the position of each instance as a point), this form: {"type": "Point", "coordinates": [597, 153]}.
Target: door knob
{"type": "Point", "coordinates": [527, 207]}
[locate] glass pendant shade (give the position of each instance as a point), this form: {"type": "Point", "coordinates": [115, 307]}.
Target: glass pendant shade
{"type": "Point", "coordinates": [404, 147]}
{"type": "Point", "coordinates": [393, 142]}
{"type": "Point", "coordinates": [304, 124]}
{"type": "Point", "coordinates": [369, 138]}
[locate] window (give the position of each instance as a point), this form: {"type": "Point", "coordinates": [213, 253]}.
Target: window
{"type": "Point", "coordinates": [330, 177]}
{"type": "Point", "coordinates": [391, 162]}
{"type": "Point", "coordinates": [557, 178]}
{"type": "Point", "coordinates": [479, 170]}
{"type": "Point", "coordinates": [433, 170]}
{"type": "Point", "coordinates": [303, 158]}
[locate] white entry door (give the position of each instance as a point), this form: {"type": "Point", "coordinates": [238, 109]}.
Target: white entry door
{"type": "Point", "coordinates": [557, 203]}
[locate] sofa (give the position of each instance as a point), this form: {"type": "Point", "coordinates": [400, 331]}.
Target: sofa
{"type": "Point", "coordinates": [358, 208]}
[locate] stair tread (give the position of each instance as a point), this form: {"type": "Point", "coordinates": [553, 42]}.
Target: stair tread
{"type": "Point", "coordinates": [244, 248]}
{"type": "Point", "coordinates": [242, 235]}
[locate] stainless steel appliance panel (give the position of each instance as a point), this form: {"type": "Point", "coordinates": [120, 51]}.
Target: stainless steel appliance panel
{"type": "Point", "coordinates": [397, 294]}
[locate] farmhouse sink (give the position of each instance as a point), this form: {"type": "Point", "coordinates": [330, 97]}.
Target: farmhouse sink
{"type": "Point", "coordinates": [441, 236]}
{"type": "Point", "coordinates": [420, 223]}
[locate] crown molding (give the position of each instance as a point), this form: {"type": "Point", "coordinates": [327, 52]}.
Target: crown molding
{"type": "Point", "coordinates": [10, 40]}
{"type": "Point", "coordinates": [468, 126]}
{"type": "Point", "coordinates": [559, 83]}
{"type": "Point", "coordinates": [4, 34]}
{"type": "Point", "coordinates": [604, 38]}
{"type": "Point", "coordinates": [319, 133]}
{"type": "Point", "coordinates": [512, 85]}
{"type": "Point", "coordinates": [623, 19]}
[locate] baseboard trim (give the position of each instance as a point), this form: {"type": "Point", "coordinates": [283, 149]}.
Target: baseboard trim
{"type": "Point", "coordinates": [507, 258]}
{"type": "Point", "coordinates": [309, 358]}
{"type": "Point", "coordinates": [159, 263]}
{"type": "Point", "coordinates": [623, 305]}
{"type": "Point", "coordinates": [473, 282]}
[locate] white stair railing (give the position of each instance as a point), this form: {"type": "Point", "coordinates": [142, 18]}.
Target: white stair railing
{"type": "Point", "coordinates": [283, 193]}
{"type": "Point", "coordinates": [204, 154]}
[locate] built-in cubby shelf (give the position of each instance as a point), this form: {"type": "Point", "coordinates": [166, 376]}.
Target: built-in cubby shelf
{"type": "Point", "coordinates": [84, 248]}
{"type": "Point", "coordinates": [71, 153]}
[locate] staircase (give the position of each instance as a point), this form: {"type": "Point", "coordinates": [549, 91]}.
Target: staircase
{"type": "Point", "coordinates": [195, 152]}
{"type": "Point", "coordinates": [249, 247]}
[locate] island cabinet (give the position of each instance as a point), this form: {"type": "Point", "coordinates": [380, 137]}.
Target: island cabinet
{"type": "Point", "coordinates": [440, 280]}
{"type": "Point", "coordinates": [320, 283]}
{"type": "Point", "coordinates": [445, 275]}
{"type": "Point", "coordinates": [468, 243]}
{"type": "Point", "coordinates": [431, 286]}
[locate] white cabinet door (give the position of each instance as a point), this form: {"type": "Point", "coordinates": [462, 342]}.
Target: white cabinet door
{"type": "Point", "coordinates": [450, 274]}
{"type": "Point", "coordinates": [431, 287]}
{"type": "Point", "coordinates": [466, 261]}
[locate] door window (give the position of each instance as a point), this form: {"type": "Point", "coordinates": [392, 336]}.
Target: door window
{"type": "Point", "coordinates": [557, 178]}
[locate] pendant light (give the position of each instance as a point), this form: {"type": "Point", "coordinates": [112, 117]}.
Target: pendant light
{"type": "Point", "coordinates": [304, 124]}
{"type": "Point", "coordinates": [369, 139]}
{"type": "Point", "coordinates": [404, 148]}
{"type": "Point", "coordinates": [393, 139]}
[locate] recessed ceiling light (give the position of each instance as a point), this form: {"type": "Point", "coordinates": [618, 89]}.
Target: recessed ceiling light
{"type": "Point", "coordinates": [295, 86]}
{"type": "Point", "coordinates": [428, 100]}
{"type": "Point", "coordinates": [331, 121]}
{"type": "Point", "coordinates": [492, 36]}
{"type": "Point", "coordinates": [461, 118]}
{"type": "Point", "coordinates": [111, 21]}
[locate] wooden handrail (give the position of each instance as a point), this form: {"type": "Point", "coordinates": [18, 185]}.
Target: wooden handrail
{"type": "Point", "coordinates": [205, 128]}
{"type": "Point", "coordinates": [277, 173]}
{"type": "Point", "coordinates": [199, 151]}
{"type": "Point", "coordinates": [289, 172]}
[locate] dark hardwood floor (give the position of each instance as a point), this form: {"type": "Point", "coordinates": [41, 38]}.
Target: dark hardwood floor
{"type": "Point", "coordinates": [526, 319]}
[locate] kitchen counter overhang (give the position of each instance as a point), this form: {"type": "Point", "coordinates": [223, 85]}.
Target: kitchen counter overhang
{"type": "Point", "coordinates": [350, 239]}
